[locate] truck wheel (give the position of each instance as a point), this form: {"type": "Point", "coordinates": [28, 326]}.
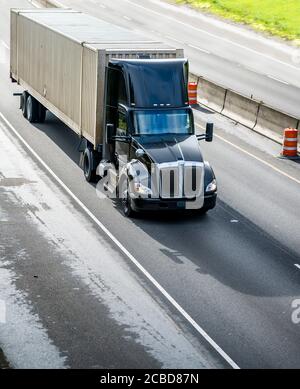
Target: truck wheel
{"type": "Point", "coordinates": [125, 198]}
{"type": "Point", "coordinates": [88, 164]}
{"type": "Point", "coordinates": [32, 109]}
{"type": "Point", "coordinates": [24, 104]}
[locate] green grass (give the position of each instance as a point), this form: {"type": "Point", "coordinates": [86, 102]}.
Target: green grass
{"type": "Point", "coordinates": [278, 17]}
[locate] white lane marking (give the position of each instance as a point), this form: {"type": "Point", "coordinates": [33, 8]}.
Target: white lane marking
{"type": "Point", "coordinates": [4, 52]}
{"type": "Point", "coordinates": [199, 48]}
{"type": "Point", "coordinates": [171, 300]}
{"type": "Point", "coordinates": [173, 39]}
{"type": "Point", "coordinates": [220, 38]}
{"type": "Point", "coordinates": [107, 277]}
{"type": "Point", "coordinates": [187, 44]}
{"type": "Point", "coordinates": [4, 45]}
{"type": "Point", "coordinates": [127, 18]}
{"type": "Point", "coordinates": [59, 4]}
{"type": "Point", "coordinates": [277, 79]}
{"type": "Point", "coordinates": [255, 157]}
{"type": "Point", "coordinates": [297, 266]}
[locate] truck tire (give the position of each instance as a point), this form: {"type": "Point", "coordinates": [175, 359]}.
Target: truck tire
{"type": "Point", "coordinates": [88, 165]}
{"type": "Point", "coordinates": [24, 104]}
{"type": "Point", "coordinates": [32, 106]}
{"type": "Point", "coordinates": [125, 198]}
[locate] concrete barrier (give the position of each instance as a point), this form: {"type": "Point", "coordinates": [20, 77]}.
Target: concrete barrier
{"type": "Point", "coordinates": [269, 119]}
{"type": "Point", "coordinates": [211, 95]}
{"type": "Point", "coordinates": [193, 78]}
{"type": "Point", "coordinates": [241, 109]}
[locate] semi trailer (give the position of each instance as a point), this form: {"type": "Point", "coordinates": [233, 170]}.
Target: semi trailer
{"type": "Point", "coordinates": [126, 96]}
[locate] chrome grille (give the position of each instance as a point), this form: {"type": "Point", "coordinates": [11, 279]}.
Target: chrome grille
{"type": "Point", "coordinates": [178, 180]}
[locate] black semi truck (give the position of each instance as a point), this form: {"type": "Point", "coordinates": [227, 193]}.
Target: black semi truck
{"type": "Point", "coordinates": [125, 96]}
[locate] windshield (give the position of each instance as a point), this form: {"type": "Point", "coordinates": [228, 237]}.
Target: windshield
{"type": "Point", "coordinates": [156, 122]}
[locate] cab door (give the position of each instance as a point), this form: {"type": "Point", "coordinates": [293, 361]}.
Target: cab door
{"type": "Point", "coordinates": [122, 146]}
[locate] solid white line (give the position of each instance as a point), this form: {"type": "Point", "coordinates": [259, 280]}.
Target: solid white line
{"type": "Point", "coordinates": [173, 39]}
{"type": "Point", "coordinates": [171, 300]}
{"type": "Point", "coordinates": [59, 4]}
{"type": "Point", "coordinates": [199, 48]}
{"type": "Point", "coordinates": [297, 266]}
{"type": "Point", "coordinates": [277, 79]}
{"type": "Point", "coordinates": [254, 156]}
{"type": "Point", "coordinates": [220, 38]}
{"type": "Point", "coordinates": [4, 45]}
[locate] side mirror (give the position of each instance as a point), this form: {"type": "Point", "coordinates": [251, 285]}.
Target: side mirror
{"type": "Point", "coordinates": [139, 153]}
{"type": "Point", "coordinates": [110, 130]}
{"type": "Point", "coordinates": [209, 132]}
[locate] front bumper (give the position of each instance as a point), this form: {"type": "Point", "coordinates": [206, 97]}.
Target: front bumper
{"type": "Point", "coordinates": [148, 204]}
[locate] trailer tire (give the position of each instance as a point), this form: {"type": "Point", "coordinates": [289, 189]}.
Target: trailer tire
{"type": "Point", "coordinates": [24, 104]}
{"type": "Point", "coordinates": [88, 165]}
{"type": "Point", "coordinates": [32, 106]}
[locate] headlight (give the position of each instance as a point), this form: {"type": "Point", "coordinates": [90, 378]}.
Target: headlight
{"type": "Point", "coordinates": [212, 187]}
{"type": "Point", "coordinates": [142, 189]}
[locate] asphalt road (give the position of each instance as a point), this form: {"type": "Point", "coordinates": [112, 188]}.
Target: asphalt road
{"type": "Point", "coordinates": [236, 58]}
{"type": "Point", "coordinates": [232, 271]}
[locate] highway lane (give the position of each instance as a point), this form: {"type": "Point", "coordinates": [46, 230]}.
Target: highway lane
{"type": "Point", "coordinates": [71, 300]}
{"type": "Point", "coordinates": [232, 271]}
{"type": "Point", "coordinates": [236, 58]}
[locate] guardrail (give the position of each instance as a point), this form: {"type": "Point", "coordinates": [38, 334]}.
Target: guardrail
{"type": "Point", "coordinates": [245, 110]}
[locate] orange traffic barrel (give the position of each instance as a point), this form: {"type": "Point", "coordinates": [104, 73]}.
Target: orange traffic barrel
{"type": "Point", "coordinates": [193, 93]}
{"type": "Point", "coordinates": [290, 143]}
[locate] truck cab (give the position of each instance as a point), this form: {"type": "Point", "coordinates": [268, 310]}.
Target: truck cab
{"type": "Point", "coordinates": [151, 156]}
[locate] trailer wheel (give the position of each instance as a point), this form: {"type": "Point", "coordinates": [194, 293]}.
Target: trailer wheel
{"type": "Point", "coordinates": [24, 103]}
{"type": "Point", "coordinates": [32, 106]}
{"type": "Point", "coordinates": [88, 165]}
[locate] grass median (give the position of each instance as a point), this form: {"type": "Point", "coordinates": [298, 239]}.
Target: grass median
{"type": "Point", "coordinates": [278, 17]}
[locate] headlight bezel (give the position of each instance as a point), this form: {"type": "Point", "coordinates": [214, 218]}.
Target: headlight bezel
{"type": "Point", "coordinates": [212, 187]}
{"type": "Point", "coordinates": [142, 190]}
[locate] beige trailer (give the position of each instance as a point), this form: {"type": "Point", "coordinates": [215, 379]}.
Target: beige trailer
{"type": "Point", "coordinates": [60, 56]}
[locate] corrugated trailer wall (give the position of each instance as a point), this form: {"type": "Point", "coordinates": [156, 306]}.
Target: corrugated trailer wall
{"type": "Point", "coordinates": [89, 94]}
{"type": "Point", "coordinates": [13, 45]}
{"type": "Point", "coordinates": [51, 65]}
{"type": "Point", "coordinates": [60, 56]}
